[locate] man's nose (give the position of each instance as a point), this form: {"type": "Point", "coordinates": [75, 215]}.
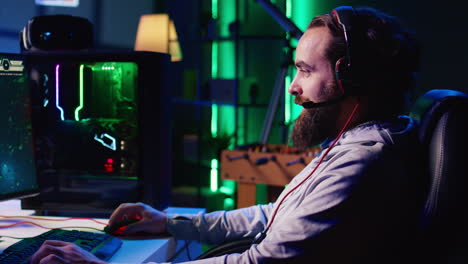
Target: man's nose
{"type": "Point", "coordinates": [294, 88]}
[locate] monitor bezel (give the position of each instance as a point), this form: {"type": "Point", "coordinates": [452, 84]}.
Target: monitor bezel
{"type": "Point", "coordinates": [20, 195]}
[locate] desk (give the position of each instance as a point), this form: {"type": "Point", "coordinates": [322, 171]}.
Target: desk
{"type": "Point", "coordinates": [133, 250]}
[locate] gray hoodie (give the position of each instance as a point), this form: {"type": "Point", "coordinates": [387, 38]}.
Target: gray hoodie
{"type": "Point", "coordinates": [360, 204]}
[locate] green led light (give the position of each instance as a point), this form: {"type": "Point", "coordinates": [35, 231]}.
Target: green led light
{"type": "Point", "coordinates": [214, 60]}
{"type": "Point", "coordinates": [214, 120]}
{"type": "Point", "coordinates": [226, 126]}
{"type": "Point", "coordinates": [227, 51]}
{"type": "Point", "coordinates": [229, 185]}
{"type": "Point", "coordinates": [214, 164]}
{"type": "Point", "coordinates": [288, 9]}
{"type": "Point", "coordinates": [227, 15]}
{"type": "Point", "coordinates": [287, 100]}
{"type": "Point", "coordinates": [226, 190]}
{"type": "Point", "coordinates": [302, 12]}
{"type": "Point", "coordinates": [228, 204]}
{"type": "Point", "coordinates": [214, 175]}
{"type": "Point", "coordinates": [78, 109]}
{"type": "Point", "coordinates": [214, 9]}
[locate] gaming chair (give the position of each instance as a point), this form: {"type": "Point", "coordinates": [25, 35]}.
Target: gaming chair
{"type": "Point", "coordinates": [442, 116]}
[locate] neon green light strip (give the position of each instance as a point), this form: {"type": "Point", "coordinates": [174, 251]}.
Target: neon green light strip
{"type": "Point", "coordinates": [304, 10]}
{"type": "Point", "coordinates": [214, 175]}
{"type": "Point", "coordinates": [287, 100]}
{"type": "Point", "coordinates": [214, 60]}
{"type": "Point", "coordinates": [288, 9]}
{"type": "Point", "coordinates": [214, 120]}
{"type": "Point", "coordinates": [214, 9]}
{"type": "Point", "coordinates": [227, 51]}
{"type": "Point", "coordinates": [78, 109]}
{"type": "Point", "coordinates": [214, 107]}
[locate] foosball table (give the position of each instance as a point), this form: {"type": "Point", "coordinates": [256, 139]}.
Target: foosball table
{"type": "Point", "coordinates": [273, 165]}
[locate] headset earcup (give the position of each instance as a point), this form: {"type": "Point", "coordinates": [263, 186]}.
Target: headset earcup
{"type": "Point", "coordinates": [342, 73]}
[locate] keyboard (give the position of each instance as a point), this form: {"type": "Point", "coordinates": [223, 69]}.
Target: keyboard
{"type": "Point", "coordinates": [101, 245]}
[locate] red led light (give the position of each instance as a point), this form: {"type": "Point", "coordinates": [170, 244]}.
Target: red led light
{"type": "Point", "coordinates": [109, 165]}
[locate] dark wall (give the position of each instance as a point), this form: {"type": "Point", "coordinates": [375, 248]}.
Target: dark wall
{"type": "Point", "coordinates": [441, 27]}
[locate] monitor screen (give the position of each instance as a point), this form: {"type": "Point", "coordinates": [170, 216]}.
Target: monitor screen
{"type": "Point", "coordinates": [17, 163]}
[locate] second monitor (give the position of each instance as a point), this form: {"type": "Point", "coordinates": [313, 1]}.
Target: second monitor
{"type": "Point", "coordinates": [17, 166]}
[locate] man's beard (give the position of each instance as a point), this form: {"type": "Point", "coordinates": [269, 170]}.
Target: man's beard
{"type": "Point", "coordinates": [314, 125]}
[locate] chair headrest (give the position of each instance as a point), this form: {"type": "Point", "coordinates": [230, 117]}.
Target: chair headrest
{"type": "Point", "coordinates": [430, 106]}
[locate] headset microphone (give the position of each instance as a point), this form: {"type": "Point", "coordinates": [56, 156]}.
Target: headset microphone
{"type": "Point", "coordinates": [335, 100]}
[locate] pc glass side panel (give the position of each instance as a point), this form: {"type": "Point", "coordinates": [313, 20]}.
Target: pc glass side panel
{"type": "Point", "coordinates": [87, 122]}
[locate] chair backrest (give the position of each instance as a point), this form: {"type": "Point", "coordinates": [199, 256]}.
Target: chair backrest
{"type": "Point", "coordinates": [442, 116]}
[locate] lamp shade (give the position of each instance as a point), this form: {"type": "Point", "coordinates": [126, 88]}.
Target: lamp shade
{"type": "Point", "coordinates": [156, 32]}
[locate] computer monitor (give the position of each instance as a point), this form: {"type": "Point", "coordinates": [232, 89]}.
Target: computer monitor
{"type": "Point", "coordinates": [102, 130]}
{"type": "Point", "coordinates": [17, 163]}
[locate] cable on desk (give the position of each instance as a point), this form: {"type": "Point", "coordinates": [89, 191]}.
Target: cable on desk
{"type": "Point", "coordinates": [25, 222]}
{"type": "Point", "coordinates": [41, 226]}
{"type": "Point", "coordinates": [53, 219]}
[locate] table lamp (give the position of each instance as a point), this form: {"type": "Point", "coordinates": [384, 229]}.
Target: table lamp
{"type": "Point", "coordinates": [156, 32]}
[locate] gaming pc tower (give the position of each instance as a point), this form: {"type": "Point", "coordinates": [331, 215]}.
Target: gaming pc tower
{"type": "Point", "coordinates": [101, 130]}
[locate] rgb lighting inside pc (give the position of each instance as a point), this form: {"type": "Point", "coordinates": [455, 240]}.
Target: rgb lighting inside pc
{"type": "Point", "coordinates": [92, 113]}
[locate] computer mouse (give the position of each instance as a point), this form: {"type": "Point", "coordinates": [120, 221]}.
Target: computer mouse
{"type": "Point", "coordinates": [118, 227]}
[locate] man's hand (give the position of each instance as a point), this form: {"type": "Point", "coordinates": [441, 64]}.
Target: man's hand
{"type": "Point", "coordinates": [151, 221]}
{"type": "Point", "coordinates": [58, 252]}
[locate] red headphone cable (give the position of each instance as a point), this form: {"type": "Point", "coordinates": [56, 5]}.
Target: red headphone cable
{"type": "Point", "coordinates": [260, 236]}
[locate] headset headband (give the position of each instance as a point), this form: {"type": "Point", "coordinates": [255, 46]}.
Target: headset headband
{"type": "Point", "coordinates": [344, 15]}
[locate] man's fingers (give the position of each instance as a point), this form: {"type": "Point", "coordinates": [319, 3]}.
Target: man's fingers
{"type": "Point", "coordinates": [53, 259]}
{"type": "Point", "coordinates": [48, 248]}
{"type": "Point", "coordinates": [55, 243]}
{"type": "Point", "coordinates": [129, 210]}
